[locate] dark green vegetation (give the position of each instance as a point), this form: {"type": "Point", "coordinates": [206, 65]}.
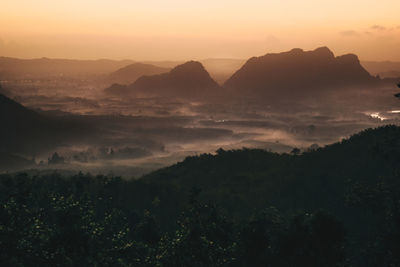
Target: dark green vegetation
{"type": "Point", "coordinates": [334, 206]}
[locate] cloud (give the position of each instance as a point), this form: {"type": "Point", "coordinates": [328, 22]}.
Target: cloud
{"type": "Point", "coordinates": [349, 33]}
{"type": "Point", "coordinates": [378, 28]}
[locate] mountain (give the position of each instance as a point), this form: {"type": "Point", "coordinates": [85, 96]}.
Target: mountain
{"type": "Point", "coordinates": [297, 71]}
{"type": "Point", "coordinates": [15, 116]}
{"type": "Point", "coordinates": [4, 91]}
{"type": "Point", "coordinates": [187, 80]}
{"type": "Point", "coordinates": [19, 125]}
{"type": "Point", "coordinates": [220, 69]}
{"type": "Point", "coordinates": [27, 131]}
{"type": "Point", "coordinates": [132, 72]}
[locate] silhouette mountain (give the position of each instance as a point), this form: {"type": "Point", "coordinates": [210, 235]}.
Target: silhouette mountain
{"type": "Point", "coordinates": [398, 94]}
{"type": "Point", "coordinates": [18, 124]}
{"type": "Point", "coordinates": [186, 80]}
{"type": "Point", "coordinates": [24, 130]}
{"type": "Point", "coordinates": [298, 70]}
{"type": "Point", "coordinates": [132, 72]}
{"type": "Point", "coordinates": [14, 115]}
{"type": "Point", "coordinates": [3, 91]}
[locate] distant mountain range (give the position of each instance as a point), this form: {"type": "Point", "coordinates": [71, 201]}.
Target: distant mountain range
{"type": "Point", "coordinates": [295, 72]}
{"type": "Point", "coordinates": [385, 69]}
{"type": "Point", "coordinates": [298, 71]}
{"type": "Point", "coordinates": [14, 68]}
{"type": "Point", "coordinates": [130, 73]}
{"type": "Point", "coordinates": [220, 69]}
{"type": "Point", "coordinates": [186, 80]}
{"type": "Point", "coordinates": [109, 71]}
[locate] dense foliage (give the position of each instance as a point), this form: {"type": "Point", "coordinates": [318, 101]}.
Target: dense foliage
{"type": "Point", "coordinates": [334, 206]}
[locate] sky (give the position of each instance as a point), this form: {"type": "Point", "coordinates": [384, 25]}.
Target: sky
{"type": "Point", "coordinates": [189, 29]}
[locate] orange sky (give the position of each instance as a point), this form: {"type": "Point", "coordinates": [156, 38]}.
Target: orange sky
{"type": "Point", "coordinates": [188, 29]}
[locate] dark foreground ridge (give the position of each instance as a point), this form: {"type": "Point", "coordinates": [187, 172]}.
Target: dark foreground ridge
{"type": "Point", "coordinates": [334, 206]}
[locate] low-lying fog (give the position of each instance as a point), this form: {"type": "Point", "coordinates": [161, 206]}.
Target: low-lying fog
{"type": "Point", "coordinates": [140, 135]}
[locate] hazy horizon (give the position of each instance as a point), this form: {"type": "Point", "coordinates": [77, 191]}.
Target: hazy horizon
{"type": "Point", "coordinates": [182, 30]}
{"type": "Point", "coordinates": [179, 61]}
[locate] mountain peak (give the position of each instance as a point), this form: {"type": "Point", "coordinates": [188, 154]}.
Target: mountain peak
{"type": "Point", "coordinates": [323, 52]}
{"type": "Point", "coordinates": [296, 51]}
{"type": "Point", "coordinates": [189, 67]}
{"type": "Point", "coordinates": [296, 70]}
{"type": "Point", "coordinates": [189, 79]}
{"type": "Point", "coordinates": [348, 58]}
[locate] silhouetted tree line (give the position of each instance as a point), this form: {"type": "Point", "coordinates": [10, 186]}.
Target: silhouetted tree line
{"type": "Point", "coordinates": [333, 206]}
{"type": "Point", "coordinates": [50, 220]}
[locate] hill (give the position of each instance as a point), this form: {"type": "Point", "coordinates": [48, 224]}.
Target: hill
{"type": "Point", "coordinates": [17, 123]}
{"type": "Point", "coordinates": [132, 72]}
{"type": "Point", "coordinates": [187, 80]}
{"type": "Point", "coordinates": [3, 91]}
{"type": "Point", "coordinates": [332, 178]}
{"type": "Point", "coordinates": [298, 71]}
{"type": "Point", "coordinates": [26, 131]}
{"type": "Point", "coordinates": [250, 178]}
{"type": "Point", "coordinates": [334, 206]}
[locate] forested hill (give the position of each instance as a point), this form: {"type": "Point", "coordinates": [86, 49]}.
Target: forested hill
{"type": "Point", "coordinates": [250, 178]}
{"type": "Point", "coordinates": [334, 206]}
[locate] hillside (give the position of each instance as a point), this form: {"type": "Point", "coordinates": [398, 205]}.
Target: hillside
{"type": "Point", "coordinates": [246, 179]}
{"type": "Point", "coordinates": [3, 91]}
{"type": "Point", "coordinates": [334, 206]}
{"type": "Point", "coordinates": [17, 123]}
{"type": "Point", "coordinates": [27, 131]}
{"type": "Point", "coordinates": [336, 178]}
{"type": "Point", "coordinates": [300, 72]}
{"type": "Point", "coordinates": [187, 80]}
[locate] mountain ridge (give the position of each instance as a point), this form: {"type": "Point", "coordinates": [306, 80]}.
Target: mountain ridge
{"type": "Point", "coordinates": [298, 68]}
{"type": "Point", "coordinates": [190, 79]}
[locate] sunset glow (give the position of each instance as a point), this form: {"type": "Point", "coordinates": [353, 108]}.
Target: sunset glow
{"type": "Point", "coordinates": [177, 29]}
